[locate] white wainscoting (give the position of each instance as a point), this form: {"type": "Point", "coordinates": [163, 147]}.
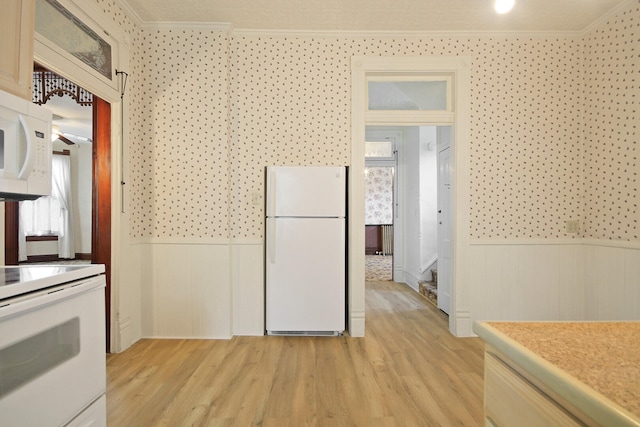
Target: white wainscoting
{"type": "Point", "coordinates": [186, 290]}
{"type": "Point", "coordinates": [126, 313]}
{"type": "Point", "coordinates": [526, 281]}
{"type": "Point", "coordinates": [216, 290]}
{"type": "Point", "coordinates": [563, 280]}
{"type": "Point", "coordinates": [248, 287]}
{"type": "Point", "coordinates": [612, 281]}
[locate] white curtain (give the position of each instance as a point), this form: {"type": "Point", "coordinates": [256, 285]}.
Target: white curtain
{"type": "Point", "coordinates": [61, 191]}
{"type": "Point", "coordinates": [50, 215]}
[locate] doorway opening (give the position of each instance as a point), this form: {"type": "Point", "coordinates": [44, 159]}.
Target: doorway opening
{"type": "Point", "coordinates": [418, 205]}
{"type": "Point", "coordinates": [379, 228]}
{"type": "Point", "coordinates": [380, 202]}
{"type": "Point", "coordinates": [85, 137]}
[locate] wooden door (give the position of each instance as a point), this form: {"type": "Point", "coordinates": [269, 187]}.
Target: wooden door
{"type": "Point", "coordinates": [101, 224]}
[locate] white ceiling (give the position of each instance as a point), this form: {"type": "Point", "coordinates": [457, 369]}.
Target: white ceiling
{"type": "Point", "coordinates": [75, 119]}
{"type": "Point", "coordinates": [376, 15]}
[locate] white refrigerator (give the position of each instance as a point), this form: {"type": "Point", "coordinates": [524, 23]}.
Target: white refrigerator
{"type": "Point", "coordinates": [305, 253]}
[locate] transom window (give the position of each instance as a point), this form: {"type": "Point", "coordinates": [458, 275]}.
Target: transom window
{"type": "Point", "coordinates": [409, 93]}
{"type": "Point", "coordinates": [409, 99]}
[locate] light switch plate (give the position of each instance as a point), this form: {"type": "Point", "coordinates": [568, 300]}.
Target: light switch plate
{"type": "Point", "coordinates": [572, 226]}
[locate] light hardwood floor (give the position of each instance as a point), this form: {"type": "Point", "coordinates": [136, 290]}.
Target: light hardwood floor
{"type": "Point", "coordinates": [407, 371]}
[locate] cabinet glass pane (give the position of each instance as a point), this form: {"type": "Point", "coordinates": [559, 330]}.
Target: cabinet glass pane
{"type": "Point", "coordinates": [61, 27]}
{"type": "Point", "coordinates": [408, 95]}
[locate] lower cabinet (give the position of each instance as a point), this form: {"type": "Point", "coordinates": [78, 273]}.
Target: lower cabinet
{"type": "Point", "coordinates": [512, 400]}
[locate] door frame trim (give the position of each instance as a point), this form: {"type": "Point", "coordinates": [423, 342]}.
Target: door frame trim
{"type": "Point", "coordinates": [56, 62]}
{"type": "Point", "coordinates": [459, 67]}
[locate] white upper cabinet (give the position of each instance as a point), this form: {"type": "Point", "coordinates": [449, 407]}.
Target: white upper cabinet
{"type": "Point", "coordinates": [16, 45]}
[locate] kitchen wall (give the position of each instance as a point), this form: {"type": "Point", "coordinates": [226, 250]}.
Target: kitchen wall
{"type": "Point", "coordinates": [181, 182]}
{"type": "Point", "coordinates": [526, 107]}
{"type": "Point", "coordinates": [612, 162]}
{"type": "Point", "coordinates": [526, 99]}
{"type": "Point", "coordinates": [212, 108]}
{"type": "Point", "coordinates": [180, 157]}
{"type": "Point", "coordinates": [598, 277]}
{"type": "Point", "coordinates": [612, 100]}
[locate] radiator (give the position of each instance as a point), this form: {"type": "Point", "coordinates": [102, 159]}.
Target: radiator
{"type": "Point", "coordinates": [387, 240]}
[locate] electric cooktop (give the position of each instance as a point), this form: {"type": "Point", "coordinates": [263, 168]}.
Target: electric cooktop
{"type": "Point", "coordinates": [19, 279]}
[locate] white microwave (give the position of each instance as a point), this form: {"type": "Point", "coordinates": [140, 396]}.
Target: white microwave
{"type": "Point", "coordinates": [25, 149]}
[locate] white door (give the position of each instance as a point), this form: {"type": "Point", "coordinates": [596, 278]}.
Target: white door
{"type": "Point", "coordinates": [444, 230]}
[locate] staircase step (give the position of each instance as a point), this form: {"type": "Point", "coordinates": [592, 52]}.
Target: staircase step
{"type": "Point", "coordinates": [430, 291]}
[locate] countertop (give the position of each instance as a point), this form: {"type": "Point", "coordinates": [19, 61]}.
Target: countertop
{"type": "Point", "coordinates": [593, 365]}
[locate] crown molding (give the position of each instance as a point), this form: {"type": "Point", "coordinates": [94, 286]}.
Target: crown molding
{"type": "Point", "coordinates": [406, 34]}
{"type": "Point", "coordinates": [170, 25]}
{"type": "Point", "coordinates": [200, 26]}
{"type": "Point", "coordinates": [228, 27]}
{"type": "Point", "coordinates": [610, 14]}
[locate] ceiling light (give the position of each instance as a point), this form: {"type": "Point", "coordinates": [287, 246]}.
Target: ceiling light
{"type": "Point", "coordinates": [504, 6]}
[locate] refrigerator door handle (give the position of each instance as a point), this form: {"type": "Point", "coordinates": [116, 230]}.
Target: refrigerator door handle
{"type": "Point", "coordinates": [271, 241]}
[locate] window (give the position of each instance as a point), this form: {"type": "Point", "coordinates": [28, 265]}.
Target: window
{"type": "Point", "coordinates": [68, 32]}
{"type": "Point", "coordinates": [50, 215]}
{"type": "Point", "coordinates": [408, 95]}
{"type": "Point", "coordinates": [379, 150]}
{"type": "Point", "coordinates": [40, 217]}
{"type": "Point", "coordinates": [409, 99]}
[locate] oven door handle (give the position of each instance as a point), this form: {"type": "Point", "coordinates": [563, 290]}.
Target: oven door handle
{"type": "Point", "coordinates": [20, 304]}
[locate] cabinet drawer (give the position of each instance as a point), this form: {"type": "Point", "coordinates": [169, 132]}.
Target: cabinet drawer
{"type": "Point", "coordinates": [511, 400]}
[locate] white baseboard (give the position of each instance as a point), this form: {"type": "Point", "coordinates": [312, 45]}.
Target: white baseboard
{"type": "Point", "coordinates": [412, 281]}
{"type": "Point", "coordinates": [356, 324]}
{"type": "Point", "coordinates": [463, 325]}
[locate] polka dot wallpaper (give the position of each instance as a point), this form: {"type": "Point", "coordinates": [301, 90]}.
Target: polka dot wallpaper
{"type": "Point", "coordinates": [290, 106]}
{"type": "Point", "coordinates": [291, 103]}
{"type": "Point", "coordinates": [525, 138]}
{"type": "Point", "coordinates": [179, 157]}
{"type": "Point", "coordinates": [110, 8]}
{"type": "Point", "coordinates": [553, 126]}
{"type": "Point", "coordinates": [612, 90]}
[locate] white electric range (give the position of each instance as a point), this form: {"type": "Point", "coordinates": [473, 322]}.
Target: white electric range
{"type": "Point", "coordinates": [52, 345]}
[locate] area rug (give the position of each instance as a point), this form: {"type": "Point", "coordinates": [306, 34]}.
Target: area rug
{"type": "Point", "coordinates": [378, 267]}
